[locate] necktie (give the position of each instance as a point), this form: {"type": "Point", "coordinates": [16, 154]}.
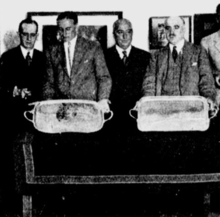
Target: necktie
{"type": "Point", "coordinates": [174, 54]}
{"type": "Point", "coordinates": [69, 55]}
{"type": "Point", "coordinates": [124, 59]}
{"type": "Point", "coordinates": [28, 59]}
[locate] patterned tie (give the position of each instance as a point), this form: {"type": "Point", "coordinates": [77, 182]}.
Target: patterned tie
{"type": "Point", "coordinates": [124, 59]}
{"type": "Point", "coordinates": [28, 59]}
{"type": "Point", "coordinates": [174, 54]}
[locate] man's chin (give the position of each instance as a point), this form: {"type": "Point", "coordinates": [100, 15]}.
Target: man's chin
{"type": "Point", "coordinates": [66, 39]}
{"type": "Point", "coordinates": [28, 47]}
{"type": "Point", "coordinates": [125, 46]}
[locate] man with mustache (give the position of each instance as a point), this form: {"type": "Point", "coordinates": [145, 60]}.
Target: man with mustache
{"type": "Point", "coordinates": [180, 68]}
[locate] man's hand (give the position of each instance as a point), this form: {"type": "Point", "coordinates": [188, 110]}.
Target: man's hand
{"type": "Point", "coordinates": [213, 108]}
{"type": "Point", "coordinates": [217, 80]}
{"type": "Point", "coordinates": [16, 91]}
{"type": "Point", "coordinates": [23, 93]}
{"type": "Point", "coordinates": [104, 105]}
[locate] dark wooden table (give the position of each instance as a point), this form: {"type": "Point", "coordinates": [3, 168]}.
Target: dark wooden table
{"type": "Point", "coordinates": [115, 157]}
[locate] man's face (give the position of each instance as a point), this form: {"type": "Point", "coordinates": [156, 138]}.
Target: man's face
{"type": "Point", "coordinates": [28, 35]}
{"type": "Point", "coordinates": [123, 35]}
{"type": "Point", "coordinates": [67, 29]}
{"type": "Point", "coordinates": [175, 30]}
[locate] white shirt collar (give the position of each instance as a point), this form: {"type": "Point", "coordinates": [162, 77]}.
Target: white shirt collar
{"type": "Point", "coordinates": [179, 46]}
{"type": "Point", "coordinates": [25, 51]}
{"type": "Point", "coordinates": [72, 43]}
{"type": "Point", "coordinates": [120, 51]}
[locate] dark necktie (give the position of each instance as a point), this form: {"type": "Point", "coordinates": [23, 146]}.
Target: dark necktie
{"type": "Point", "coordinates": [125, 57]}
{"type": "Point", "coordinates": [174, 54]}
{"type": "Point", "coordinates": [28, 59]}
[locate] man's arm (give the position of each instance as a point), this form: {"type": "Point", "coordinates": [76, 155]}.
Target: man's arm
{"type": "Point", "coordinates": [48, 78]}
{"type": "Point", "coordinates": [104, 81]}
{"type": "Point", "coordinates": [6, 78]}
{"type": "Point", "coordinates": [206, 83]}
{"type": "Point", "coordinates": [215, 70]}
{"type": "Point", "coordinates": [149, 82]}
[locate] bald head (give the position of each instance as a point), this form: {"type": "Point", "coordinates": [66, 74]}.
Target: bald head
{"type": "Point", "coordinates": [175, 29]}
{"type": "Point", "coordinates": [123, 32]}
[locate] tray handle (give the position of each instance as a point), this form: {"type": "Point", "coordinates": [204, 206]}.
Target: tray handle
{"type": "Point", "coordinates": [30, 112]}
{"type": "Point", "coordinates": [135, 109]}
{"type": "Point", "coordinates": [213, 113]}
{"type": "Point", "coordinates": [110, 117]}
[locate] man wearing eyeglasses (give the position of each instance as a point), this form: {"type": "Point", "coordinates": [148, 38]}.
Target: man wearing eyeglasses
{"type": "Point", "coordinates": [76, 67]}
{"type": "Point", "coordinates": [21, 72]}
{"type": "Point", "coordinates": [22, 66]}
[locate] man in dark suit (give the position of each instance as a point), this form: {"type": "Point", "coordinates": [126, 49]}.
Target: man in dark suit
{"type": "Point", "coordinates": [76, 68]}
{"type": "Point", "coordinates": [127, 65]}
{"type": "Point", "coordinates": [22, 71]}
{"type": "Point", "coordinates": [181, 68]}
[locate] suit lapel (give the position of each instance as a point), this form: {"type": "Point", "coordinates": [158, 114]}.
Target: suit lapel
{"type": "Point", "coordinates": [20, 55]}
{"type": "Point", "coordinates": [216, 41]}
{"type": "Point", "coordinates": [187, 55]}
{"type": "Point", "coordinates": [163, 63]}
{"type": "Point", "coordinates": [131, 54]}
{"type": "Point", "coordinates": [80, 49]}
{"type": "Point", "coordinates": [61, 57]}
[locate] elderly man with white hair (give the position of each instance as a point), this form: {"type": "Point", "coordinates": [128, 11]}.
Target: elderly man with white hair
{"type": "Point", "coordinates": [179, 69]}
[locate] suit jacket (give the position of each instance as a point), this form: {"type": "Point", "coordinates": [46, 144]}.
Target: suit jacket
{"type": "Point", "coordinates": [126, 80]}
{"type": "Point", "coordinates": [196, 76]}
{"type": "Point", "coordinates": [212, 45]}
{"type": "Point", "coordinates": [89, 77]}
{"type": "Point", "coordinates": [14, 72]}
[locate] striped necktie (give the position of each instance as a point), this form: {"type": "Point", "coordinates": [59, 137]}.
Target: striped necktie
{"type": "Point", "coordinates": [124, 59]}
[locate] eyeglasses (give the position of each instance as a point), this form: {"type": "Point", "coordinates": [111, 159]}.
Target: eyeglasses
{"type": "Point", "coordinates": [67, 29]}
{"type": "Point", "coordinates": [26, 35]}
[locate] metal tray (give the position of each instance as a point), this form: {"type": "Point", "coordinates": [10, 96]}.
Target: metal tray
{"type": "Point", "coordinates": [58, 116]}
{"type": "Point", "coordinates": [172, 113]}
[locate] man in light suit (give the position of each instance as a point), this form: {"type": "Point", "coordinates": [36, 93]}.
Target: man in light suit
{"type": "Point", "coordinates": [211, 43]}
{"type": "Point", "coordinates": [181, 68]}
{"type": "Point", "coordinates": [76, 67]}
{"type": "Point", "coordinates": [127, 65]}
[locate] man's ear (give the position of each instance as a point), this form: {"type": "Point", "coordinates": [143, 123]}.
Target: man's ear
{"type": "Point", "coordinates": [77, 29]}
{"type": "Point", "coordinates": [184, 28]}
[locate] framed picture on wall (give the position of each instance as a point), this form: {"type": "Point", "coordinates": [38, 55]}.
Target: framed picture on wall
{"type": "Point", "coordinates": [157, 37]}
{"type": "Point", "coordinates": [96, 26]}
{"type": "Point", "coordinates": [204, 24]}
